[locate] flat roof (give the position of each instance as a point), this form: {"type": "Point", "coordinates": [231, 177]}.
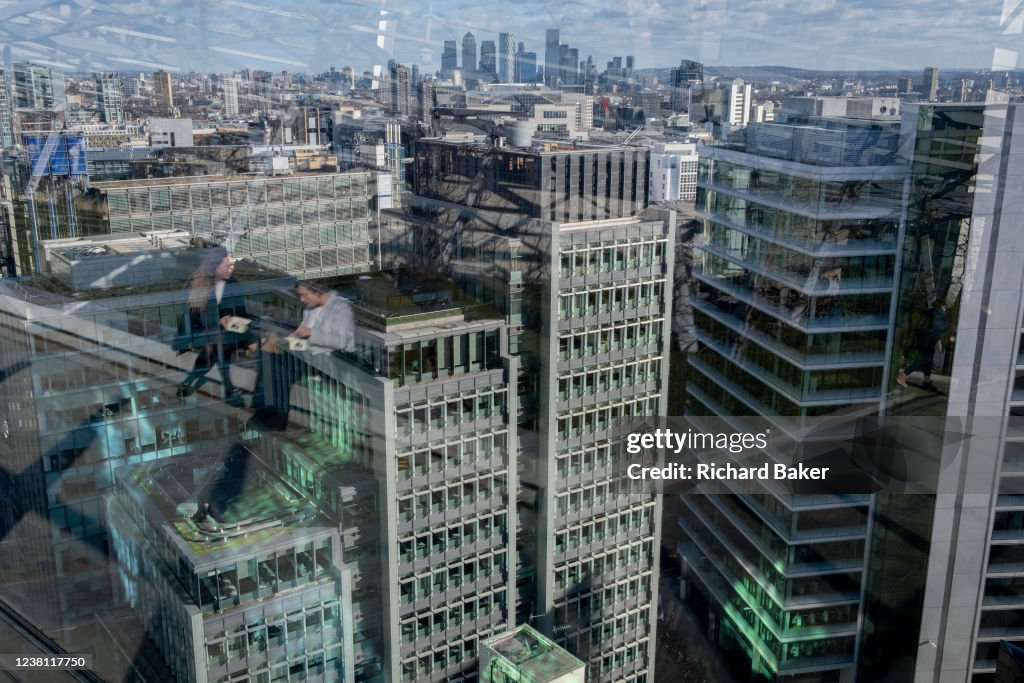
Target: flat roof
{"type": "Point", "coordinates": [533, 654]}
{"type": "Point", "coordinates": [214, 505]}
{"type": "Point", "coordinates": [191, 180]}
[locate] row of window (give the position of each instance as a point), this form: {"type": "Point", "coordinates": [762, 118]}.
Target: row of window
{"type": "Point", "coordinates": [606, 258]}
{"type": "Point", "coordinates": [810, 272]}
{"type": "Point", "coordinates": [606, 526]}
{"type": "Point", "coordinates": [452, 575]}
{"type": "Point", "coordinates": [259, 577]}
{"type": "Point", "coordinates": [453, 615]}
{"type": "Point", "coordinates": [586, 342]}
{"type": "Point", "coordinates": [243, 220]}
{"type": "Point", "coordinates": [433, 358]}
{"type": "Point", "coordinates": [794, 228]}
{"type": "Point", "coordinates": [580, 607]}
{"type": "Point", "coordinates": [468, 491]}
{"type": "Point", "coordinates": [606, 299]}
{"type": "Point", "coordinates": [440, 413]}
{"type": "Point", "coordinates": [735, 283]}
{"type": "Point", "coordinates": [300, 667]}
{"type": "Point", "coordinates": [811, 191]}
{"type": "Point", "coordinates": [637, 554]}
{"type": "Point", "coordinates": [595, 457]}
{"type": "Point", "coordinates": [852, 345]}
{"type": "Point", "coordinates": [253, 638]}
{"type": "Point", "coordinates": [302, 237]}
{"type": "Point", "coordinates": [590, 382]}
{"type": "Point", "coordinates": [457, 652]}
{"type": "Point", "coordinates": [436, 543]}
{"type": "Point", "coordinates": [343, 260]}
{"type": "Point", "coordinates": [599, 418]}
{"type": "Point", "coordinates": [599, 493]}
{"type": "Point", "coordinates": [612, 662]}
{"type": "Point", "coordinates": [805, 384]}
{"type": "Point", "coordinates": [481, 448]}
{"type": "Point", "coordinates": [238, 193]}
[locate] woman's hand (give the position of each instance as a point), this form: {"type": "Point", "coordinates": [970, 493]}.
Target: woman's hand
{"type": "Point", "coordinates": [302, 333]}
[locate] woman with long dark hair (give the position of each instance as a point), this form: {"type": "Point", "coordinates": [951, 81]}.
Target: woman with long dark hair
{"type": "Point", "coordinates": [210, 323]}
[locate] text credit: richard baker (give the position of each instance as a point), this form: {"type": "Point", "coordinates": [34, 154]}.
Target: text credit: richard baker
{"type": "Point", "coordinates": [686, 445]}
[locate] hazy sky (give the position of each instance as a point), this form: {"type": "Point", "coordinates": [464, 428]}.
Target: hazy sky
{"type": "Point", "coordinates": [307, 35]}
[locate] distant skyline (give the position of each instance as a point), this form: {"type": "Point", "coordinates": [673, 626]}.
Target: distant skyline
{"type": "Point", "coordinates": [313, 35]}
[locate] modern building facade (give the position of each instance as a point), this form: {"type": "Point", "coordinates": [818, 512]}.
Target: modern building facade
{"type": "Point", "coordinates": [109, 98]}
{"type": "Point", "coordinates": [580, 274]}
{"type": "Point", "coordinates": [230, 86]}
{"type": "Point", "coordinates": [315, 225]}
{"type": "Point", "coordinates": [450, 58]}
{"type": "Point", "coordinates": [232, 571]}
{"type": "Point", "coordinates": [795, 276]}
{"type": "Point", "coordinates": [930, 84]}
{"type": "Point", "coordinates": [507, 58]}
{"type": "Point", "coordinates": [674, 172]}
{"type": "Point", "coordinates": [38, 87]}
{"type": "Point", "coordinates": [163, 90]}
{"type": "Point", "coordinates": [552, 58]}
{"type": "Point", "coordinates": [885, 296]}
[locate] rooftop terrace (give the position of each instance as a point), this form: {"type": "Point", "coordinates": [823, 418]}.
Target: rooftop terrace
{"type": "Point", "coordinates": [535, 658]}
{"type": "Point", "coordinates": [217, 504]}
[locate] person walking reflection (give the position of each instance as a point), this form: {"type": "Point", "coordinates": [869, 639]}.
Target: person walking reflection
{"type": "Point", "coordinates": [214, 326]}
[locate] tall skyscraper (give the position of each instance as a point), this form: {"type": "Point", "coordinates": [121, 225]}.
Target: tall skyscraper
{"type": "Point", "coordinates": [6, 111]}
{"type": "Point", "coordinates": [574, 388]}
{"type": "Point", "coordinates": [401, 90]}
{"type": "Point", "coordinates": [469, 63]}
{"type": "Point", "coordinates": [869, 587]}
{"type": "Point", "coordinates": [488, 58]}
{"type": "Point", "coordinates": [571, 67]}
{"type": "Point", "coordinates": [38, 87]}
{"type": "Point", "coordinates": [930, 84]}
{"type": "Point", "coordinates": [230, 87]}
{"type": "Point", "coordinates": [738, 106]}
{"type": "Point", "coordinates": [163, 90]}
{"type": "Point", "coordinates": [450, 56]}
{"type": "Point", "coordinates": [682, 78]}
{"type": "Point", "coordinates": [109, 98]}
{"type": "Point", "coordinates": [772, 339]}
{"type": "Point", "coordinates": [552, 58]}
{"type": "Point", "coordinates": [526, 66]}
{"type": "Point", "coordinates": [507, 57]}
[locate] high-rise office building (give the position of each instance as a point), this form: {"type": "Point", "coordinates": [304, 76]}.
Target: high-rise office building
{"type": "Point", "coordinates": [592, 347]}
{"type": "Point", "coordinates": [38, 87]}
{"type": "Point", "coordinates": [681, 79]}
{"type": "Point", "coordinates": [6, 111]}
{"type": "Point", "coordinates": [450, 56]}
{"type": "Point", "coordinates": [507, 57]}
{"type": "Point", "coordinates": [737, 114]}
{"type": "Point", "coordinates": [674, 172]}
{"type": "Point", "coordinates": [108, 98]}
{"type": "Point", "coordinates": [232, 570]}
{"type": "Point", "coordinates": [867, 588]}
{"type": "Point", "coordinates": [526, 66]}
{"type": "Point", "coordinates": [782, 339]}
{"type": "Point", "coordinates": [930, 84]}
{"type": "Point", "coordinates": [488, 58]}
{"type": "Point", "coordinates": [163, 90]}
{"type": "Point", "coordinates": [401, 90]}
{"type": "Point", "coordinates": [552, 58]}
{"type": "Point", "coordinates": [963, 159]}
{"type": "Point", "coordinates": [229, 84]}
{"type": "Point", "coordinates": [469, 63]}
